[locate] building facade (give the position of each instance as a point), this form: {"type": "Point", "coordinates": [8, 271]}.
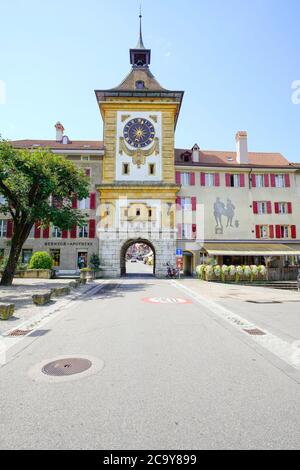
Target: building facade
{"type": "Point", "coordinates": [237, 206]}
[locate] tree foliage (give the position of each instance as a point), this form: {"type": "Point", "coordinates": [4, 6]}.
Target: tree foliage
{"type": "Point", "coordinates": [38, 186]}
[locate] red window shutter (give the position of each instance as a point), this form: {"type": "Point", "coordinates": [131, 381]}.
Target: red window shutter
{"type": "Point", "coordinates": [269, 207]}
{"type": "Point", "coordinates": [37, 230]}
{"type": "Point", "coordinates": [227, 180]}
{"type": "Point", "coordinates": [73, 232]}
{"type": "Point", "coordinates": [242, 180]}
{"type": "Point", "coordinates": [64, 234]}
{"type": "Point", "coordinates": [278, 231]}
{"type": "Point", "coordinates": [217, 179]}
{"type": "Point", "coordinates": [178, 203]}
{"type": "Point", "coordinates": [9, 229]}
{"type": "Point", "coordinates": [290, 208]}
{"type": "Point", "coordinates": [257, 231]}
{"type": "Point", "coordinates": [253, 181]}
{"type": "Point", "coordinates": [93, 201]}
{"type": "Point", "coordinates": [271, 231]}
{"type": "Point", "coordinates": [255, 207]}
{"type": "Point", "coordinates": [179, 232]}
{"type": "Point", "coordinates": [266, 180]}
{"type": "Point", "coordinates": [74, 202]}
{"type": "Point", "coordinates": [276, 207]}
{"type": "Point", "coordinates": [287, 181]}
{"type": "Point", "coordinates": [293, 231]}
{"type": "Point", "coordinates": [92, 228]}
{"type": "Point", "coordinates": [194, 231]}
{"type": "Point", "coordinates": [272, 177]}
{"type": "Point", "coordinates": [202, 179]}
{"type": "Point", "coordinates": [46, 232]}
{"type": "Point", "coordinates": [192, 179]}
{"type": "Point", "coordinates": [178, 179]}
{"type": "Point", "coordinates": [194, 203]}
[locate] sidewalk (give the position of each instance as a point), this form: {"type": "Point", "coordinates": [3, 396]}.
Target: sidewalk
{"type": "Point", "coordinates": [20, 294]}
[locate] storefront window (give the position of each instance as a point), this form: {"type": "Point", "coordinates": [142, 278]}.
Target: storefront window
{"type": "Point", "coordinates": [26, 256]}
{"type": "Point", "coordinates": [82, 259]}
{"type": "Point", "coordinates": [55, 254]}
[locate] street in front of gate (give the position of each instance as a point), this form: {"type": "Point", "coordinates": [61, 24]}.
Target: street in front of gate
{"type": "Point", "coordinates": [170, 364]}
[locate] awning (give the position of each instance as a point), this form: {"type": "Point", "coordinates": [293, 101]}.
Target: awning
{"type": "Point", "coordinates": [251, 249]}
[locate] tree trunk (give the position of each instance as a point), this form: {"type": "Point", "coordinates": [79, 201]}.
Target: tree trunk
{"type": "Point", "coordinates": [19, 237]}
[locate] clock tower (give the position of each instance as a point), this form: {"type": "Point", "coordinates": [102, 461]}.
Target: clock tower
{"type": "Point", "coordinates": [138, 189]}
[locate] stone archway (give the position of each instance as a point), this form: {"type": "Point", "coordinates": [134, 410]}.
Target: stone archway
{"type": "Point", "coordinates": [127, 245]}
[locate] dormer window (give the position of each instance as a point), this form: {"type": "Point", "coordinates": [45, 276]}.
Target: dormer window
{"type": "Point", "coordinates": [139, 84]}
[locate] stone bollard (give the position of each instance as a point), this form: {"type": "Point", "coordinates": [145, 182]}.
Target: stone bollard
{"type": "Point", "coordinates": [6, 311]}
{"type": "Point", "coordinates": [60, 291]}
{"type": "Point", "coordinates": [41, 299]}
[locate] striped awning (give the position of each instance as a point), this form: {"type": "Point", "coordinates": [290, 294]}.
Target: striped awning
{"type": "Point", "coordinates": [251, 249]}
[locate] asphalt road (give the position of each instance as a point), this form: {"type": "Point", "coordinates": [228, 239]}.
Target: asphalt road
{"type": "Point", "coordinates": [175, 377]}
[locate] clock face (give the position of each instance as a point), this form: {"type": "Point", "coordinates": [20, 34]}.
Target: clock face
{"type": "Point", "coordinates": [139, 132]}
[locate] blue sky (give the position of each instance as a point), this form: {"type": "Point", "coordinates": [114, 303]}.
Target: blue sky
{"type": "Point", "coordinates": [236, 60]}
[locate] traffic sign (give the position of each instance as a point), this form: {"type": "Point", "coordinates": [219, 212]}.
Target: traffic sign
{"type": "Point", "coordinates": [178, 251]}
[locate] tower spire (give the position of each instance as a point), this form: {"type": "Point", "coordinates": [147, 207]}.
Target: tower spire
{"type": "Point", "coordinates": [140, 56]}
{"type": "Point", "coordinates": [140, 44]}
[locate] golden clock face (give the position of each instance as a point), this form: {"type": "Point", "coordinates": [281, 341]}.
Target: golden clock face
{"type": "Point", "coordinates": [139, 132]}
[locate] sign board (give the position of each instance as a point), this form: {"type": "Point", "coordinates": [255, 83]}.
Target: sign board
{"type": "Point", "coordinates": [179, 263]}
{"type": "Point", "coordinates": [178, 252]}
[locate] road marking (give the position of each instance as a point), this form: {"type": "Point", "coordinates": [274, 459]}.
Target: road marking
{"type": "Point", "coordinates": [288, 352]}
{"type": "Point", "coordinates": [167, 300]}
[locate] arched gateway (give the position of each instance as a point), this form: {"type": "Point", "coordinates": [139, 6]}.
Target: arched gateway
{"type": "Point", "coordinates": [113, 252]}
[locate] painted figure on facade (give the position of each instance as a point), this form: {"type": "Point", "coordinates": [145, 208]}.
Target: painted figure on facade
{"type": "Point", "coordinates": [220, 210]}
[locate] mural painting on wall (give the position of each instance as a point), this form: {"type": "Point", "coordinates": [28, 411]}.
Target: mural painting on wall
{"type": "Point", "coordinates": [224, 210]}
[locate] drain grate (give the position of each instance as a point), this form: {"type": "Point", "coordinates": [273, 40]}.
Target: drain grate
{"type": "Point", "coordinates": [67, 366]}
{"type": "Point", "coordinates": [255, 332]}
{"type": "Point", "coordinates": [19, 333]}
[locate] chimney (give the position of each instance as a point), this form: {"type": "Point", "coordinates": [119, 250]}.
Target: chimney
{"type": "Point", "coordinates": [59, 131]}
{"type": "Point", "coordinates": [196, 154]}
{"type": "Point", "coordinates": [242, 147]}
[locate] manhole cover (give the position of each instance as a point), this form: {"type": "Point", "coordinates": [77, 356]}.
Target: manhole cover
{"type": "Point", "coordinates": [67, 366]}
{"type": "Point", "coordinates": [19, 333]}
{"type": "Point", "coordinates": [255, 332]}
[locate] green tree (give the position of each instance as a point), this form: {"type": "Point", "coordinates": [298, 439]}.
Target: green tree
{"type": "Point", "coordinates": [37, 186]}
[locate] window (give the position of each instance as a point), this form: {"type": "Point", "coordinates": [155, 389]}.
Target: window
{"type": "Point", "coordinates": [139, 85]}
{"type": "Point", "coordinates": [283, 208]}
{"type": "Point", "coordinates": [56, 232]}
{"type": "Point", "coordinates": [55, 254]}
{"type": "Point", "coordinates": [209, 179]}
{"type": "Point", "coordinates": [83, 231]}
{"type": "Point", "coordinates": [125, 169]}
{"type": "Point", "coordinates": [138, 212]}
{"type": "Point", "coordinates": [3, 228]}
{"type": "Point", "coordinates": [279, 181]}
{"type": "Point", "coordinates": [260, 181]}
{"type": "Point", "coordinates": [26, 256]}
{"type": "Point", "coordinates": [85, 158]}
{"type": "Point", "coordinates": [84, 203]}
{"type": "Point", "coordinates": [151, 169]}
{"type": "Point", "coordinates": [150, 213]}
{"type": "Point", "coordinates": [187, 231]}
{"type": "Point", "coordinates": [264, 232]}
{"type": "Point", "coordinates": [262, 207]}
{"type": "Point", "coordinates": [2, 199]}
{"type": "Point", "coordinates": [284, 231]}
{"type": "Point", "coordinates": [88, 172]}
{"type": "Point", "coordinates": [235, 181]}
{"type": "Point", "coordinates": [185, 179]}
{"type": "Point", "coordinates": [186, 203]}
